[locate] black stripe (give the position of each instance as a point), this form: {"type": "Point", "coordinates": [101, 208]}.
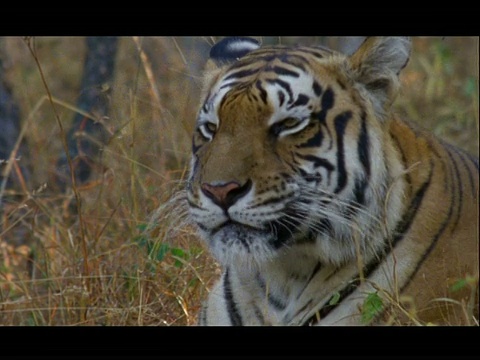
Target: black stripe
{"type": "Point", "coordinates": [341, 121]}
{"type": "Point", "coordinates": [310, 177]}
{"type": "Point", "coordinates": [285, 85]}
{"type": "Point", "coordinates": [241, 74]}
{"type": "Point", "coordinates": [202, 227]}
{"type": "Point", "coordinates": [263, 93]}
{"type": "Point", "coordinates": [264, 57]}
{"type": "Point", "coordinates": [327, 102]}
{"type": "Point", "coordinates": [328, 99]}
{"type": "Point", "coordinates": [319, 116]}
{"type": "Point", "coordinates": [194, 146]}
{"type": "Point", "coordinates": [359, 191]}
{"type": "Point", "coordinates": [252, 97]}
{"type": "Point", "coordinates": [281, 97]}
{"type": "Point", "coordinates": [233, 313]}
{"type": "Point", "coordinates": [302, 309]}
{"type": "Point", "coordinates": [293, 59]}
{"type": "Point", "coordinates": [231, 96]}
{"type": "Point", "coordinates": [283, 232]}
{"type": "Point", "coordinates": [315, 271]}
{"type": "Point", "coordinates": [473, 159]}
{"type": "Point", "coordinates": [189, 186]}
{"type": "Point", "coordinates": [246, 63]}
{"type": "Point", "coordinates": [317, 89]}
{"type": "Point", "coordinates": [361, 183]}
{"type": "Point", "coordinates": [407, 219]}
{"type": "Point", "coordinates": [202, 319]}
{"type": "Point", "coordinates": [462, 155]}
{"type": "Point", "coordinates": [280, 70]}
{"type": "Point", "coordinates": [276, 302]}
{"type": "Point", "coordinates": [324, 226]}
{"type": "Point", "coordinates": [317, 53]}
{"type": "Point", "coordinates": [364, 147]}
{"type": "Point", "coordinates": [359, 195]}
{"type": "Point", "coordinates": [293, 167]}
{"type": "Point", "coordinates": [258, 314]}
{"type": "Point", "coordinates": [334, 272]}
{"type": "Point", "coordinates": [286, 176]}
{"type": "Point", "coordinates": [456, 195]}
{"type": "Point", "coordinates": [401, 229]}
{"type": "Point", "coordinates": [445, 223]}
{"type": "Point", "coordinates": [340, 82]}
{"type": "Point", "coordinates": [272, 201]}
{"type": "Point", "coordinates": [328, 307]}
{"type": "Point", "coordinates": [442, 228]}
{"type": "Point", "coordinates": [298, 64]}
{"type": "Point", "coordinates": [223, 102]}
{"type": "Point", "coordinates": [314, 141]}
{"type": "Point", "coordinates": [231, 84]}
{"type": "Point", "coordinates": [206, 105]}
{"type": "Point", "coordinates": [309, 238]}
{"type": "Point", "coordinates": [273, 300]}
{"type": "Point", "coordinates": [302, 99]}
{"type": "Point", "coordinates": [195, 166]}
{"type": "Point", "coordinates": [192, 204]}
{"type": "Point", "coordinates": [243, 240]}
{"type": "Point", "coordinates": [318, 162]}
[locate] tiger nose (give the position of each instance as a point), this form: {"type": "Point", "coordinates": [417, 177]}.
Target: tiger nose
{"type": "Point", "coordinates": [226, 194]}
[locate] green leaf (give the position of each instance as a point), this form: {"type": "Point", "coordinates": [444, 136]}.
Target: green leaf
{"type": "Point", "coordinates": [460, 284]}
{"type": "Point", "coordinates": [179, 253]}
{"type": "Point", "coordinates": [372, 306]}
{"type": "Point", "coordinates": [142, 227]}
{"type": "Point", "coordinates": [193, 282]}
{"type": "Point", "coordinates": [334, 299]}
{"type": "Point", "coordinates": [141, 240]}
{"type": "Point", "coordinates": [159, 252]}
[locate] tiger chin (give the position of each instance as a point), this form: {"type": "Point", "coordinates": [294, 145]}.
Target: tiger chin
{"type": "Point", "coordinates": [313, 195]}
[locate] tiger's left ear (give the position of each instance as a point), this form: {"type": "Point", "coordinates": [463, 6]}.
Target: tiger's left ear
{"type": "Point", "coordinates": [226, 52]}
{"type": "Point", "coordinates": [376, 65]}
{"type": "Point", "coordinates": [231, 49]}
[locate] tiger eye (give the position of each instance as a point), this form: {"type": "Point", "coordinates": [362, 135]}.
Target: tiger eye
{"type": "Point", "coordinates": [211, 127]}
{"type": "Point", "coordinates": [290, 123]}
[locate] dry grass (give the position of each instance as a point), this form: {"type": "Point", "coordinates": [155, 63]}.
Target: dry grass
{"type": "Point", "coordinates": [59, 268]}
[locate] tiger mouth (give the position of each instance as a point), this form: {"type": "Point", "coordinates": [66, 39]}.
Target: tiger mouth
{"type": "Point", "coordinates": [238, 226]}
{"type": "Point", "coordinates": [276, 233]}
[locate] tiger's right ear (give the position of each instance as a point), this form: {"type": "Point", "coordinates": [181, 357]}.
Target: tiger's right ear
{"type": "Point", "coordinates": [376, 65]}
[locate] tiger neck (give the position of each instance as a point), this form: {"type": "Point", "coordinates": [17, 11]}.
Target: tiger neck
{"type": "Point", "coordinates": [414, 148]}
{"type": "Point", "coordinates": [303, 273]}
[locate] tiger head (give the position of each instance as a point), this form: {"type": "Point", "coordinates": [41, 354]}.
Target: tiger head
{"type": "Point", "coordinates": [288, 146]}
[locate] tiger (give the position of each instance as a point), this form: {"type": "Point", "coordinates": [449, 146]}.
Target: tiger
{"type": "Point", "coordinates": [315, 197]}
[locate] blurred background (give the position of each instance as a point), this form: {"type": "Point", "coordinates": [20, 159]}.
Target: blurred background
{"type": "Point", "coordinates": [79, 253]}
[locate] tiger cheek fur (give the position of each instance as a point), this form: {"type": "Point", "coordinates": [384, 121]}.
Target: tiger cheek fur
{"type": "Point", "coordinates": [308, 189]}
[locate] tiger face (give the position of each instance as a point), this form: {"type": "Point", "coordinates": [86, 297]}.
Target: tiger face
{"type": "Point", "coordinates": [274, 163]}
